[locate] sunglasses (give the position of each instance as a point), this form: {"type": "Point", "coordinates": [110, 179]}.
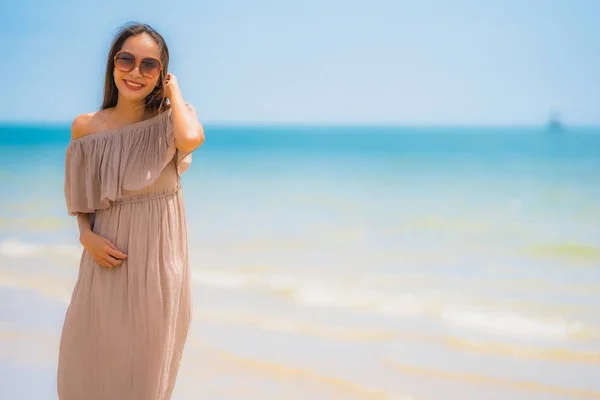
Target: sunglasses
{"type": "Point", "coordinates": [126, 62]}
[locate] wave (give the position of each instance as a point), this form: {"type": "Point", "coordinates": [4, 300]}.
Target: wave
{"type": "Point", "coordinates": [510, 323]}
{"type": "Point", "coordinates": [16, 248]}
{"type": "Point", "coordinates": [338, 332]}
{"type": "Point", "coordinates": [368, 295]}
{"type": "Point", "coordinates": [57, 289]}
{"type": "Point", "coordinates": [375, 294]}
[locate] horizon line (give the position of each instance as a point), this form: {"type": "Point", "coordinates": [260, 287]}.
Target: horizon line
{"type": "Point", "coordinates": [465, 124]}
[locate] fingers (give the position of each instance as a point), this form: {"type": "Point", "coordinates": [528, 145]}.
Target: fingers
{"type": "Point", "coordinates": [109, 262]}
{"type": "Point", "coordinates": [114, 252]}
{"type": "Point", "coordinates": [104, 263]}
{"type": "Point", "coordinates": [111, 257]}
{"type": "Point", "coordinates": [101, 262]}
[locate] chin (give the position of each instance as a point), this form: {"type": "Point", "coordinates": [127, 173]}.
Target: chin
{"type": "Point", "coordinates": [133, 96]}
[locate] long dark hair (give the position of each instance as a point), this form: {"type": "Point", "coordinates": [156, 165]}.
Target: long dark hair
{"type": "Point", "coordinates": [155, 101]}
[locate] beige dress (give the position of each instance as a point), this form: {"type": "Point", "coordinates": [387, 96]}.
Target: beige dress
{"type": "Point", "coordinates": [125, 327]}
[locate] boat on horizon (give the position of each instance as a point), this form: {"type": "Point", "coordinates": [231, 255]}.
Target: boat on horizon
{"type": "Point", "coordinates": [554, 123]}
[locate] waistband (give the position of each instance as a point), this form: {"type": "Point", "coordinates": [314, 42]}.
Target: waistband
{"type": "Point", "coordinates": [146, 196]}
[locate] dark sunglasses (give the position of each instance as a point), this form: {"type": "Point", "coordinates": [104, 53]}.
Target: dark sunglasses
{"type": "Point", "coordinates": [149, 67]}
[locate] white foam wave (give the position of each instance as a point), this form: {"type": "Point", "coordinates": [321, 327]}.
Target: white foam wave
{"type": "Point", "coordinates": [366, 296]}
{"type": "Point", "coordinates": [320, 295]}
{"type": "Point", "coordinates": [507, 323]}
{"type": "Point", "coordinates": [363, 294]}
{"type": "Point", "coordinates": [16, 248]}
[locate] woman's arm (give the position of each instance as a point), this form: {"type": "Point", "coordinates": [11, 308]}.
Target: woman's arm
{"type": "Point", "coordinates": [189, 133]}
{"type": "Point", "coordinates": [85, 224]}
{"type": "Point", "coordinates": [102, 250]}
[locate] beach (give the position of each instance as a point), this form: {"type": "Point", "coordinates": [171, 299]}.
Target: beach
{"type": "Point", "coordinates": [335, 262]}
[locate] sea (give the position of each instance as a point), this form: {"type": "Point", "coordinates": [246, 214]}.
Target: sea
{"type": "Point", "coordinates": [331, 261]}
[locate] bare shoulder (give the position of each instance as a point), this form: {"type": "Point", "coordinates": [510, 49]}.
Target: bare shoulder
{"type": "Point", "coordinates": [86, 124]}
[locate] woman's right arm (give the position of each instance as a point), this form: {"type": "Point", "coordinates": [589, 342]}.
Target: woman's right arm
{"type": "Point", "coordinates": [84, 222]}
{"type": "Point", "coordinates": [102, 250]}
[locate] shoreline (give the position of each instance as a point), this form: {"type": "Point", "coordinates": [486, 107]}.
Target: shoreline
{"type": "Point", "coordinates": [228, 359]}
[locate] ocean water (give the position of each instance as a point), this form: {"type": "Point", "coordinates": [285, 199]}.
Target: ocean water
{"type": "Point", "coordinates": [391, 261]}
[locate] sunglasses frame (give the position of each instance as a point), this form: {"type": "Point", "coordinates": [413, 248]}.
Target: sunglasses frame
{"type": "Point", "coordinates": [137, 64]}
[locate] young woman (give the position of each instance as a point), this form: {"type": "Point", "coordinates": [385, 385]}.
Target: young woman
{"type": "Point", "coordinates": [128, 318]}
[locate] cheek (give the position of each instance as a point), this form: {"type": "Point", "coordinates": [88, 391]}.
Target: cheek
{"type": "Point", "coordinates": [152, 83]}
{"type": "Point", "coordinates": [150, 86]}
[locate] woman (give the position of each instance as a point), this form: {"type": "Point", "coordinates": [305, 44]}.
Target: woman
{"type": "Point", "coordinates": [128, 319]}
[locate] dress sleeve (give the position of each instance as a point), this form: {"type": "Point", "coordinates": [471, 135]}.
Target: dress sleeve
{"type": "Point", "coordinates": [83, 192]}
{"type": "Point", "coordinates": [100, 167]}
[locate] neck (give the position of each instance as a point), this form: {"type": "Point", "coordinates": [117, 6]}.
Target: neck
{"type": "Point", "coordinates": [130, 111]}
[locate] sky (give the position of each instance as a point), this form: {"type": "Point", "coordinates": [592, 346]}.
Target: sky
{"type": "Point", "coordinates": [319, 61]}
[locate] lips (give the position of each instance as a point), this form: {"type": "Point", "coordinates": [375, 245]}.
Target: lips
{"type": "Point", "coordinates": [131, 85]}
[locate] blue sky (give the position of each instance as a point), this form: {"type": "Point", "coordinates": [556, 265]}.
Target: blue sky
{"type": "Point", "coordinates": [315, 61]}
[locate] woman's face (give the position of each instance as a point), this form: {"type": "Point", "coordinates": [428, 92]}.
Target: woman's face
{"type": "Point", "coordinates": [136, 85]}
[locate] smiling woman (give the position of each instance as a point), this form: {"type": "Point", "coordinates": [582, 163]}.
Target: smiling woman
{"type": "Point", "coordinates": [129, 314]}
{"type": "Point", "coordinates": [137, 79]}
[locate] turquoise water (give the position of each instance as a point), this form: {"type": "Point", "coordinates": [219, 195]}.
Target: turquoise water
{"type": "Point", "coordinates": [448, 241]}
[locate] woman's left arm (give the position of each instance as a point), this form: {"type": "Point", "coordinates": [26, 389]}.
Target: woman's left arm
{"type": "Point", "coordinates": [189, 133]}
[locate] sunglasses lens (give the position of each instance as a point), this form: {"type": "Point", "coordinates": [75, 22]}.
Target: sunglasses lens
{"type": "Point", "coordinates": [125, 62]}
{"type": "Point", "coordinates": [149, 67]}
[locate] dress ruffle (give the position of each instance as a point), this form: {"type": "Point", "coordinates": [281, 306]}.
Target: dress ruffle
{"type": "Point", "coordinates": [101, 167]}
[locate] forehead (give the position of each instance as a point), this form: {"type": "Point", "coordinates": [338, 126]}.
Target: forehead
{"type": "Point", "coordinates": [142, 46]}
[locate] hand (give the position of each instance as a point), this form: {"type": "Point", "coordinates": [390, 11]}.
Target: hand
{"type": "Point", "coordinates": [102, 250]}
{"type": "Point", "coordinates": [171, 86]}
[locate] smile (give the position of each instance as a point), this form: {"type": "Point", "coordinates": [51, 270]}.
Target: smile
{"type": "Point", "coordinates": [133, 85]}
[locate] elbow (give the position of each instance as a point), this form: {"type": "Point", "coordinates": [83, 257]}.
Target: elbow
{"type": "Point", "coordinates": [192, 140]}
{"type": "Point", "coordinates": [197, 138]}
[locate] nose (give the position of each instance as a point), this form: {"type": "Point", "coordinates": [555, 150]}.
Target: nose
{"type": "Point", "coordinates": [135, 72]}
